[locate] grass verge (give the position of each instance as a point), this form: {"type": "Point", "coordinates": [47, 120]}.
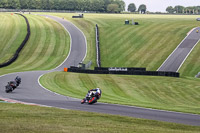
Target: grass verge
{"type": "Point", "coordinates": [18, 118]}
{"type": "Point", "coordinates": [48, 46]}
{"type": "Point", "coordinates": [166, 93]}
{"type": "Point", "coordinates": [13, 31]}
{"type": "Point", "coordinates": [146, 45]}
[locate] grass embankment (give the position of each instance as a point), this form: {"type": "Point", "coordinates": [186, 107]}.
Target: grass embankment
{"type": "Point", "coordinates": [146, 45]}
{"type": "Point", "coordinates": [13, 31]}
{"type": "Point", "coordinates": [48, 46]}
{"type": "Point", "coordinates": [22, 118]}
{"type": "Point", "coordinates": [164, 93]}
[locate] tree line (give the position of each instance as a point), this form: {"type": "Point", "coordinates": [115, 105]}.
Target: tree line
{"type": "Point", "coordinates": [183, 10]}
{"type": "Point", "coordinates": [113, 6]}
{"type": "Point", "coordinates": [132, 8]}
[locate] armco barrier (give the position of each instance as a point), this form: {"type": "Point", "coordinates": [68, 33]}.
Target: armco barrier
{"type": "Point", "coordinates": [98, 47]}
{"type": "Point", "coordinates": [124, 71]}
{"type": "Point", "coordinates": [15, 56]}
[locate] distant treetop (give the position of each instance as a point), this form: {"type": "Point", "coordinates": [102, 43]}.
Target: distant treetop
{"type": "Point", "coordinates": [71, 5]}
{"type": "Point", "coordinates": [183, 10]}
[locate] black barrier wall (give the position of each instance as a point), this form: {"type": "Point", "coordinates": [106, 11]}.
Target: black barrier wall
{"type": "Point", "coordinates": [120, 68]}
{"type": "Point", "coordinates": [79, 16]}
{"type": "Point", "coordinates": [98, 47]}
{"type": "Point", "coordinates": [130, 71]}
{"type": "Point", "coordinates": [15, 56]}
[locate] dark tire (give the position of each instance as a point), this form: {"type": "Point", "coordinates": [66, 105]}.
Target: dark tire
{"type": "Point", "coordinates": [8, 89]}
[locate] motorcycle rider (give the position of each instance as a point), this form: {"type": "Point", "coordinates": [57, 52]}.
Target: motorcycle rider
{"type": "Point", "coordinates": [18, 80]}
{"type": "Point", "coordinates": [97, 94]}
{"type": "Point", "coordinates": [13, 84]}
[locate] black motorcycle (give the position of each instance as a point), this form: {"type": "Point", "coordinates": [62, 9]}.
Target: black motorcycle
{"type": "Point", "coordinates": [18, 80]}
{"type": "Point", "coordinates": [13, 84]}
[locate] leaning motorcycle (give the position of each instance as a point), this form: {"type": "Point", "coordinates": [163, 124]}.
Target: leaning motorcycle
{"type": "Point", "coordinates": [10, 86]}
{"type": "Point", "coordinates": [13, 84]}
{"type": "Point", "coordinates": [18, 80]}
{"type": "Point", "coordinates": [91, 98]}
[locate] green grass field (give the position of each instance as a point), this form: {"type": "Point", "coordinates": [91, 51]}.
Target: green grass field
{"type": "Point", "coordinates": [164, 93]}
{"type": "Point", "coordinates": [49, 43]}
{"type": "Point", "coordinates": [13, 31]}
{"type": "Point", "coordinates": [47, 47]}
{"type": "Point", "coordinates": [146, 45]}
{"type": "Point", "coordinates": [16, 118]}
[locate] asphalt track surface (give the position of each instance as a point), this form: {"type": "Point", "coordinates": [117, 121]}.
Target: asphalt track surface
{"type": "Point", "coordinates": [180, 54]}
{"type": "Point", "coordinates": [30, 91]}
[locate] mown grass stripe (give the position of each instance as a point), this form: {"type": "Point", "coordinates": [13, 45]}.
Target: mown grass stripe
{"type": "Point", "coordinates": [37, 55]}
{"type": "Point", "coordinates": [31, 46]}
{"type": "Point", "coordinates": [154, 92]}
{"type": "Point", "coordinates": [14, 32]}
{"type": "Point", "coordinates": [41, 45]}
{"type": "Point", "coordinates": [117, 47]}
{"type": "Point", "coordinates": [48, 44]}
{"type": "Point", "coordinates": [153, 48]}
{"type": "Point", "coordinates": [146, 48]}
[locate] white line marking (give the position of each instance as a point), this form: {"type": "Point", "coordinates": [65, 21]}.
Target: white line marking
{"type": "Point", "coordinates": [150, 109]}
{"type": "Point", "coordinates": [175, 49]}
{"type": "Point", "coordinates": [77, 98]}
{"type": "Point", "coordinates": [187, 55]}
{"type": "Point", "coordinates": [70, 46]}
{"type": "Point", "coordinates": [53, 91]}
{"type": "Point", "coordinates": [84, 38]}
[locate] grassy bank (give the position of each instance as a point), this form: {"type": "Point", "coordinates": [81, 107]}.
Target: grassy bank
{"type": "Point", "coordinates": [146, 45]}
{"type": "Point", "coordinates": [13, 31]}
{"type": "Point", "coordinates": [164, 93]}
{"type": "Point", "coordinates": [47, 47]}
{"type": "Point", "coordinates": [16, 118]}
{"type": "Point", "coordinates": [49, 44]}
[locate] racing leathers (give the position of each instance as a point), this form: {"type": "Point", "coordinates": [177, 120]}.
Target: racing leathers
{"type": "Point", "coordinates": [94, 92]}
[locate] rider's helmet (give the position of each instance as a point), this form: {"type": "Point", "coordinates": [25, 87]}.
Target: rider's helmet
{"type": "Point", "coordinates": [18, 78]}
{"type": "Point", "coordinates": [98, 91]}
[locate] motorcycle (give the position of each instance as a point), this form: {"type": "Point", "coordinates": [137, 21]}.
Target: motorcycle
{"type": "Point", "coordinates": [10, 86]}
{"type": "Point", "coordinates": [13, 84]}
{"type": "Point", "coordinates": [18, 80]}
{"type": "Point", "coordinates": [90, 98]}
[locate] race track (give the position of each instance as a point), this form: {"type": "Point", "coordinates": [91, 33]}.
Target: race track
{"type": "Point", "coordinates": [180, 54]}
{"type": "Point", "coordinates": [31, 92]}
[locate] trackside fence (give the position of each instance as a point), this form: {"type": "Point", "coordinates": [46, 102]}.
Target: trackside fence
{"type": "Point", "coordinates": [98, 47]}
{"type": "Point", "coordinates": [123, 71]}
{"type": "Point", "coordinates": [15, 56]}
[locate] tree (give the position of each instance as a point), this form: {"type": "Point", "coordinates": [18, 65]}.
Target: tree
{"type": "Point", "coordinates": [24, 4]}
{"type": "Point", "coordinates": [131, 7]}
{"type": "Point", "coordinates": [120, 3]}
{"type": "Point", "coordinates": [38, 4]}
{"type": "Point", "coordinates": [3, 3]}
{"type": "Point", "coordinates": [178, 9]}
{"type": "Point", "coordinates": [113, 8]}
{"type": "Point", "coordinates": [142, 8]}
{"type": "Point", "coordinates": [72, 5]}
{"type": "Point", "coordinates": [170, 9]}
